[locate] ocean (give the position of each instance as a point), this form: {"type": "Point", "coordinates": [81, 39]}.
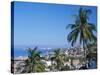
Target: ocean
{"type": "Point", "coordinates": [22, 52]}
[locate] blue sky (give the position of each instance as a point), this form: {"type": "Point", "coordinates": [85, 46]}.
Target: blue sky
{"type": "Point", "coordinates": [44, 25]}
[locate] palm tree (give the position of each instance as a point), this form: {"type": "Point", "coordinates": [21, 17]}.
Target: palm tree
{"type": "Point", "coordinates": [82, 30]}
{"type": "Point", "coordinates": [59, 59]}
{"type": "Point", "coordinates": [34, 63]}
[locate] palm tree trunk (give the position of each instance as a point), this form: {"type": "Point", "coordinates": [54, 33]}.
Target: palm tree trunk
{"type": "Point", "coordinates": [84, 52]}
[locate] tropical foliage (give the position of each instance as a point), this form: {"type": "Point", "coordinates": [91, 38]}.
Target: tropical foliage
{"type": "Point", "coordinates": [82, 29]}
{"type": "Point", "coordinates": [34, 63]}
{"type": "Point", "coordinates": [58, 57]}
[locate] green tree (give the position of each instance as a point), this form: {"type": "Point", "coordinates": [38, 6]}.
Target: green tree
{"type": "Point", "coordinates": [34, 63]}
{"type": "Point", "coordinates": [82, 29]}
{"type": "Point", "coordinates": [58, 57]}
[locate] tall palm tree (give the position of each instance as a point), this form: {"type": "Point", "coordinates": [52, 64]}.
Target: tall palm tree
{"type": "Point", "coordinates": [82, 30]}
{"type": "Point", "coordinates": [59, 59]}
{"type": "Point", "coordinates": [34, 63]}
